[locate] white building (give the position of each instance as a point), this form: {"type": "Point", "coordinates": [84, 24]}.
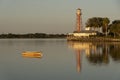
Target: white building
{"type": "Point", "coordinates": [83, 34]}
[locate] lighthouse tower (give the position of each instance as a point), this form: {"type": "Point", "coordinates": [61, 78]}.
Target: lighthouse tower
{"type": "Point", "coordinates": [78, 33]}
{"type": "Point", "coordinates": [78, 20]}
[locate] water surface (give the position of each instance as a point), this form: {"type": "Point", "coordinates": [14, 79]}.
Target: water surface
{"type": "Point", "coordinates": [61, 60]}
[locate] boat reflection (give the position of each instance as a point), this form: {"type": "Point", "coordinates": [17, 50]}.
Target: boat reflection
{"type": "Point", "coordinates": [32, 54]}
{"type": "Point", "coordinates": [96, 53]}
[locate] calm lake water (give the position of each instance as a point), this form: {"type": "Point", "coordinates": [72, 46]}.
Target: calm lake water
{"type": "Point", "coordinates": [61, 60]}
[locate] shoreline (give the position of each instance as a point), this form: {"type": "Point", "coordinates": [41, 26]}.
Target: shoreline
{"type": "Point", "coordinates": [79, 39]}
{"type": "Point", "coordinates": [92, 39]}
{"type": "Point", "coordinates": [34, 38]}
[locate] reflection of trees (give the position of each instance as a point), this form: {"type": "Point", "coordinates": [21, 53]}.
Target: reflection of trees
{"type": "Point", "coordinates": [98, 58]}
{"type": "Point", "coordinates": [99, 55]}
{"type": "Point", "coordinates": [102, 52]}
{"type": "Point", "coordinates": [115, 52]}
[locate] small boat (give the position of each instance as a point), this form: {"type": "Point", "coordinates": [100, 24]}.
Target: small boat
{"type": "Point", "coordinates": [32, 54]}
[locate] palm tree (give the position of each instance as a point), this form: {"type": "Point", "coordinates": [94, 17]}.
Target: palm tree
{"type": "Point", "coordinates": [106, 21]}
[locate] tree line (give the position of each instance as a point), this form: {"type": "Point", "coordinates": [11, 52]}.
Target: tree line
{"type": "Point", "coordinates": [32, 35]}
{"type": "Point", "coordinates": [112, 29]}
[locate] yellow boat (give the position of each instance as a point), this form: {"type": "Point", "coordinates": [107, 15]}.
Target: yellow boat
{"type": "Point", "coordinates": [32, 54]}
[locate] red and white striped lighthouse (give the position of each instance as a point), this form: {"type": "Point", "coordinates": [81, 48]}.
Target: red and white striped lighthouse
{"type": "Point", "coordinates": [78, 20]}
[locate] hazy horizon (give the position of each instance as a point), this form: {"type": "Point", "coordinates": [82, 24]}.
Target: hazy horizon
{"type": "Point", "coordinates": [51, 16]}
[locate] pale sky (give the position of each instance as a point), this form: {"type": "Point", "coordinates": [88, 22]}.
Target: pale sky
{"type": "Point", "coordinates": [52, 16]}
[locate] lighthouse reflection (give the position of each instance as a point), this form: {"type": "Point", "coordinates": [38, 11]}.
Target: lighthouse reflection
{"type": "Point", "coordinates": [79, 49]}
{"type": "Point", "coordinates": [95, 53]}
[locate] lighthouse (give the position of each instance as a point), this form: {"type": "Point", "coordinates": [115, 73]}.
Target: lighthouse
{"type": "Point", "coordinates": [79, 33]}
{"type": "Point", "coordinates": [78, 20]}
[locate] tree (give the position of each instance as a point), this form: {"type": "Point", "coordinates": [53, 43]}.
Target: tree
{"type": "Point", "coordinates": [93, 23]}
{"type": "Point", "coordinates": [115, 27]}
{"type": "Point", "coordinates": [98, 22]}
{"type": "Point", "coordinates": [116, 22]}
{"type": "Point", "coordinates": [106, 21]}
